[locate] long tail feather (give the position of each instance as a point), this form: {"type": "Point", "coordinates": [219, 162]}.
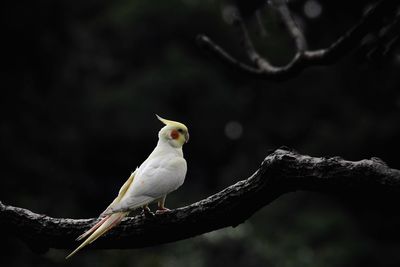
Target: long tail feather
{"type": "Point", "coordinates": [91, 230]}
{"type": "Point", "coordinates": [101, 228]}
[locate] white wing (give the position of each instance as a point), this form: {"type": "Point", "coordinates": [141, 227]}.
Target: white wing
{"type": "Point", "coordinates": [154, 179]}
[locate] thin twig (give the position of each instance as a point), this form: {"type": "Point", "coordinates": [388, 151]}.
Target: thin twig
{"type": "Point", "coordinates": [261, 29]}
{"type": "Point", "coordinates": [251, 52]}
{"type": "Point", "coordinates": [209, 45]}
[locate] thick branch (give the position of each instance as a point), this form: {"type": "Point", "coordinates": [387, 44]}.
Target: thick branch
{"type": "Point", "coordinates": [281, 172]}
{"type": "Point", "coordinates": [304, 58]}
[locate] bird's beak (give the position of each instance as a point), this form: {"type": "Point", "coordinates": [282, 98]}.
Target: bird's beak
{"type": "Point", "coordinates": [186, 137]}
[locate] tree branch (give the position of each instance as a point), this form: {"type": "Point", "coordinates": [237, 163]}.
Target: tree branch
{"type": "Point", "coordinates": [303, 58]}
{"type": "Point", "coordinates": [281, 172]}
{"type": "Point", "coordinates": [295, 32]}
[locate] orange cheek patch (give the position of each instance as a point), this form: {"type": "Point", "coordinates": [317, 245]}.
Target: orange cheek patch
{"type": "Point", "coordinates": [174, 134]}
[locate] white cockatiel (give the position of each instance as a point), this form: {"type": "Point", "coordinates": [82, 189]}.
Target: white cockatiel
{"type": "Point", "coordinates": [160, 174]}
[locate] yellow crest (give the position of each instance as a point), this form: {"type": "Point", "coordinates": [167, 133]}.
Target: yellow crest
{"type": "Point", "coordinates": [171, 123]}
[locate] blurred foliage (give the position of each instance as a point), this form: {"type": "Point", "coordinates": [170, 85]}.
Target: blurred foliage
{"type": "Point", "coordinates": [82, 80]}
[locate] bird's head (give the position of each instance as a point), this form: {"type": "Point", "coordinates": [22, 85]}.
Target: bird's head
{"type": "Point", "coordinates": [175, 133]}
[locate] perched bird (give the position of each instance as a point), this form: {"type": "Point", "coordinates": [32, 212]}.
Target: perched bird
{"type": "Point", "coordinates": [160, 174]}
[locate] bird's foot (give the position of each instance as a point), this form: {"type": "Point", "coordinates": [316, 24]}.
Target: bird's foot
{"type": "Point", "coordinates": [146, 212]}
{"type": "Point", "coordinates": [162, 210]}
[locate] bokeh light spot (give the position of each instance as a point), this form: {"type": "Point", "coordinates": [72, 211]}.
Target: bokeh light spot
{"type": "Point", "coordinates": [312, 9]}
{"type": "Point", "coordinates": [233, 130]}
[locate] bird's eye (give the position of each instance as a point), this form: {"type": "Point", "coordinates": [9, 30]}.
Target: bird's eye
{"type": "Point", "coordinates": [180, 130]}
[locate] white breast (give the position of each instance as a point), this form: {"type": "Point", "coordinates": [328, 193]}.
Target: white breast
{"type": "Point", "coordinates": [159, 175]}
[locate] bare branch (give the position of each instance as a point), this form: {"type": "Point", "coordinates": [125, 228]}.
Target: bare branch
{"type": "Point", "coordinates": [252, 53]}
{"type": "Point", "coordinates": [281, 172]}
{"type": "Point", "coordinates": [208, 44]}
{"type": "Point", "coordinates": [303, 58]}
{"type": "Point", "coordinates": [297, 35]}
{"type": "Point", "coordinates": [261, 29]}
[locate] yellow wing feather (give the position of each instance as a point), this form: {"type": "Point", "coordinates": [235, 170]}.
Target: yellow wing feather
{"type": "Point", "coordinates": [121, 192]}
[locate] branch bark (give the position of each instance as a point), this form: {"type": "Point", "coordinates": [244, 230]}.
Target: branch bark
{"type": "Point", "coordinates": [281, 172]}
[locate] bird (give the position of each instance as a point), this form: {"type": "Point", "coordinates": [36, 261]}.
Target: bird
{"type": "Point", "coordinates": [161, 173]}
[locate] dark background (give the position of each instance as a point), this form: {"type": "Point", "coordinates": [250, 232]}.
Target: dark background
{"type": "Point", "coordinates": [82, 80]}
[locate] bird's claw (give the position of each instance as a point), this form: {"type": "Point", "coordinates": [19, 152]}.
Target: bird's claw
{"type": "Point", "coordinates": [146, 212]}
{"type": "Point", "coordinates": [162, 210]}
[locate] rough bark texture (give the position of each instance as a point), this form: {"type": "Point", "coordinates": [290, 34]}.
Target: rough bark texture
{"type": "Point", "coordinates": [281, 172]}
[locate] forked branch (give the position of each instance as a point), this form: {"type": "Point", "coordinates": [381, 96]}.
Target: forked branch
{"type": "Point", "coordinates": [303, 58]}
